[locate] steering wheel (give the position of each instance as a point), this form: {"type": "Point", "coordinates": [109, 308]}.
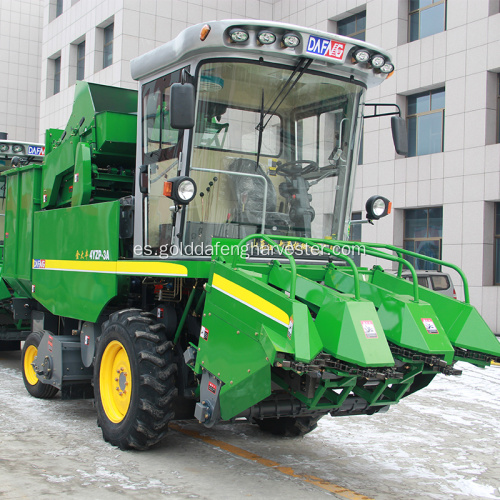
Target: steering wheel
{"type": "Point", "coordinates": [294, 168]}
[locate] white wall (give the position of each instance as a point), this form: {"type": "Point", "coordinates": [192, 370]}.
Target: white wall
{"type": "Point", "coordinates": [464, 178]}
{"type": "Point", "coordinates": [20, 37]}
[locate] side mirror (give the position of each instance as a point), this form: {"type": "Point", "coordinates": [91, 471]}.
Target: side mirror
{"type": "Point", "coordinates": [182, 101]}
{"type": "Point", "coordinates": [399, 135]}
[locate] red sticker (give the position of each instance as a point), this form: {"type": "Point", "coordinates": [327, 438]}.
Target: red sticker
{"type": "Point", "coordinates": [204, 333]}
{"type": "Point", "coordinates": [369, 329]}
{"type": "Point", "coordinates": [429, 325]}
{"type": "Point", "coordinates": [212, 387]}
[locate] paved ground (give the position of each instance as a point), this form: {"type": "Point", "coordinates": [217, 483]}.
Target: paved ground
{"type": "Point", "coordinates": [441, 443]}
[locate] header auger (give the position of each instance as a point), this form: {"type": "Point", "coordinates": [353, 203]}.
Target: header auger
{"type": "Point", "coordinates": [180, 254]}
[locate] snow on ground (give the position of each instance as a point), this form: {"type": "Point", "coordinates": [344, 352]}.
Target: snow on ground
{"type": "Point", "coordinates": [440, 443]}
{"type": "Point", "coordinates": [446, 436]}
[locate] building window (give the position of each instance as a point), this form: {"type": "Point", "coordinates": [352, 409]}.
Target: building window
{"type": "Point", "coordinates": [59, 7]}
{"type": "Point", "coordinates": [498, 109]}
{"type": "Point", "coordinates": [425, 117]}
{"type": "Point", "coordinates": [497, 243]}
{"type": "Point", "coordinates": [353, 26]}
{"type": "Point", "coordinates": [80, 61]}
{"type": "Point", "coordinates": [57, 75]}
{"type": "Point", "coordinates": [108, 46]}
{"type": "Point", "coordinates": [427, 17]}
{"type": "Point", "coordinates": [423, 233]}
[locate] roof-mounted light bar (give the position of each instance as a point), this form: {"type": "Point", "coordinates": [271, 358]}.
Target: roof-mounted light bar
{"type": "Point", "coordinates": [266, 37]}
{"type": "Point", "coordinates": [290, 40]}
{"type": "Point", "coordinates": [377, 61]}
{"type": "Point", "coordinates": [238, 35]}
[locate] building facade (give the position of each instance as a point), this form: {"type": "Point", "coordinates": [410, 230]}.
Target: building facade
{"type": "Point", "coordinates": [20, 58]}
{"type": "Point", "coordinates": [446, 193]}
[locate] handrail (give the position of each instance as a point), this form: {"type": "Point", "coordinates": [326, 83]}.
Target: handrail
{"type": "Point", "coordinates": [429, 259]}
{"type": "Point", "coordinates": [328, 243]}
{"type": "Point", "coordinates": [268, 239]}
{"type": "Point", "coordinates": [352, 264]}
{"type": "Point", "coordinates": [382, 255]}
{"type": "Point", "coordinates": [241, 174]}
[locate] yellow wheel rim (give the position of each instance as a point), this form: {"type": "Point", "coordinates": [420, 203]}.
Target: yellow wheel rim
{"type": "Point", "coordinates": [115, 381]}
{"type": "Point", "coordinates": [29, 371]}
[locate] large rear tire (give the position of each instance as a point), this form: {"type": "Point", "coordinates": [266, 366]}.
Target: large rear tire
{"type": "Point", "coordinates": [134, 380]}
{"type": "Point", "coordinates": [31, 382]}
{"type": "Point", "coordinates": [288, 426]}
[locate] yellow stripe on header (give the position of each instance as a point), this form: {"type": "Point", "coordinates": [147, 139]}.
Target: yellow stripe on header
{"type": "Point", "coordinates": [250, 299]}
{"type": "Point", "coordinates": [127, 267]}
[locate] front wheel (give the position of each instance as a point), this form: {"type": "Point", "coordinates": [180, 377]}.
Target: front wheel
{"type": "Point", "coordinates": [134, 380]}
{"type": "Point", "coordinates": [31, 382]}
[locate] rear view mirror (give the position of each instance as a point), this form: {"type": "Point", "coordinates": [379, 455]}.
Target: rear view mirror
{"type": "Point", "coordinates": [399, 135]}
{"type": "Point", "coordinates": [182, 99]}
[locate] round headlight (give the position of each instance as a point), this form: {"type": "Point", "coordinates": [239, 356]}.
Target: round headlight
{"type": "Point", "coordinates": [387, 68]}
{"type": "Point", "coordinates": [362, 56]}
{"type": "Point", "coordinates": [4, 148]}
{"type": "Point", "coordinates": [266, 37]}
{"type": "Point", "coordinates": [377, 61]}
{"type": "Point", "coordinates": [238, 35]}
{"type": "Point", "coordinates": [17, 148]}
{"type": "Point", "coordinates": [377, 207]}
{"type": "Point", "coordinates": [186, 190]}
{"type": "Point", "coordinates": [291, 40]}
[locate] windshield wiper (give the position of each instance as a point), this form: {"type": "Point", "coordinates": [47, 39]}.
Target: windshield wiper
{"type": "Point", "coordinates": [288, 87]}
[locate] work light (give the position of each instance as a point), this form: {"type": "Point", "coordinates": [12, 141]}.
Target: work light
{"type": "Point", "coordinates": [266, 37]}
{"type": "Point", "coordinates": [377, 61]}
{"type": "Point", "coordinates": [238, 35]}
{"type": "Point", "coordinates": [290, 40]}
{"type": "Point", "coordinates": [377, 207]}
{"type": "Point", "coordinates": [180, 189]}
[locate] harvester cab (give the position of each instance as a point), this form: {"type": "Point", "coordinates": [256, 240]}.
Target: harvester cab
{"type": "Point", "coordinates": [188, 257]}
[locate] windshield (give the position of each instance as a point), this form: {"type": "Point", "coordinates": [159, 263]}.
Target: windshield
{"type": "Point", "coordinates": [299, 185]}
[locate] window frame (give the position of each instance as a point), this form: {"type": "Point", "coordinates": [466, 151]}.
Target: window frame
{"type": "Point", "coordinates": [498, 108]}
{"type": "Point", "coordinates": [355, 34]}
{"type": "Point", "coordinates": [79, 60]}
{"type": "Point", "coordinates": [406, 238]}
{"type": "Point", "coordinates": [107, 46]}
{"type": "Point", "coordinates": [496, 240]}
{"type": "Point", "coordinates": [425, 113]}
{"type": "Point", "coordinates": [418, 11]}
{"type": "Point", "coordinates": [57, 76]}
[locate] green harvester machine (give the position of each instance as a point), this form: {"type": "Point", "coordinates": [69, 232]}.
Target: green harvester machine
{"type": "Point", "coordinates": [182, 251]}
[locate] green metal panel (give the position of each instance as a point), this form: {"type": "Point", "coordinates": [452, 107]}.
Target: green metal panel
{"type": "Point", "coordinates": [23, 199]}
{"type": "Point", "coordinates": [4, 291]}
{"type": "Point", "coordinates": [339, 321]}
{"type": "Point", "coordinates": [462, 323]}
{"type": "Point", "coordinates": [404, 323]}
{"type": "Point", "coordinates": [80, 237]}
{"type": "Point", "coordinates": [82, 182]}
{"type": "Point", "coordinates": [104, 118]}
{"type": "Point", "coordinates": [116, 133]}
{"type": "Point", "coordinates": [237, 359]}
{"type": "Point", "coordinates": [352, 332]}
